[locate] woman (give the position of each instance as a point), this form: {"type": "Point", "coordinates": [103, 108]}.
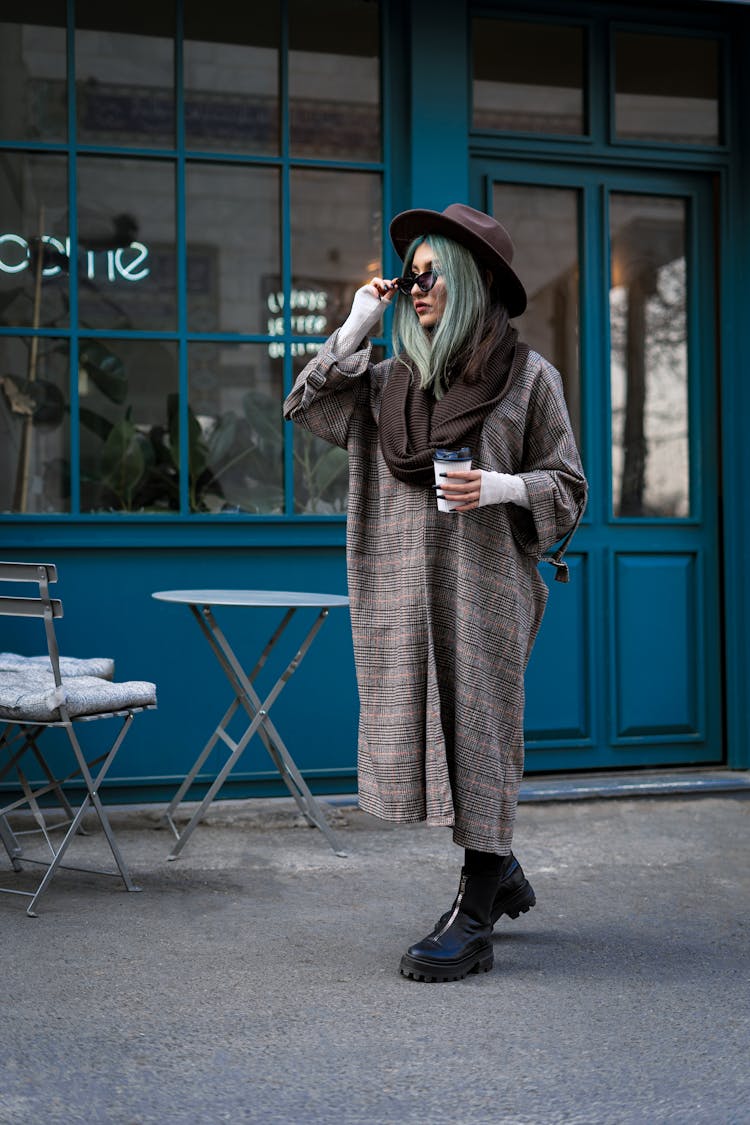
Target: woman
{"type": "Point", "coordinates": [445, 607]}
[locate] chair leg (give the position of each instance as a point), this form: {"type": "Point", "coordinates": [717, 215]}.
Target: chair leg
{"type": "Point", "coordinates": [10, 843]}
{"type": "Point", "coordinates": [102, 763]}
{"type": "Point", "coordinates": [93, 785]}
{"type": "Point", "coordinates": [53, 866]}
{"type": "Point", "coordinates": [56, 787]}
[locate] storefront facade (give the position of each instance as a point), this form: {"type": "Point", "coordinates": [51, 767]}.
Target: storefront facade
{"type": "Point", "coordinates": [188, 201]}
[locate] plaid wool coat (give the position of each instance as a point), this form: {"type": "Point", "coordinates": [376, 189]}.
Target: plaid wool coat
{"type": "Point", "coordinates": [445, 607]}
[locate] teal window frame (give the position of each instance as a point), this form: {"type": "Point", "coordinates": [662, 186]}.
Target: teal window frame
{"type": "Point", "coordinates": [186, 528]}
{"type": "Point", "coordinates": [600, 27]}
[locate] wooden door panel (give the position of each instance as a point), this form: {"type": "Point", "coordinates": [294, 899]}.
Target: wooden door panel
{"type": "Point", "coordinates": [656, 647]}
{"type": "Point", "coordinates": [557, 678]}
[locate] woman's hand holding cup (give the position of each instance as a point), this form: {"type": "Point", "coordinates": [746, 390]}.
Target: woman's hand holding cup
{"type": "Point", "coordinates": [461, 488]}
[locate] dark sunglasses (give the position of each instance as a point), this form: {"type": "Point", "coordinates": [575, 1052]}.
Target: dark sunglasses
{"type": "Point", "coordinates": [423, 281]}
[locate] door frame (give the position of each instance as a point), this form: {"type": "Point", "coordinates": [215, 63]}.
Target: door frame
{"type": "Point", "coordinates": [602, 538]}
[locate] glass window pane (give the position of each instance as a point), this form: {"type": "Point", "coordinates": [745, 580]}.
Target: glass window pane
{"type": "Point", "coordinates": [126, 239]}
{"type": "Point", "coordinates": [336, 239]}
{"type": "Point", "coordinates": [543, 223]}
{"type": "Point", "coordinates": [321, 475]}
{"type": "Point", "coordinates": [236, 429]}
{"type": "Point", "coordinates": [667, 88]}
{"type": "Point", "coordinates": [129, 425]}
{"type": "Point", "coordinates": [125, 74]}
{"type": "Point", "coordinates": [33, 87]}
{"type": "Point", "coordinates": [649, 361]}
{"type": "Point", "coordinates": [34, 210]}
{"type": "Point", "coordinates": [528, 77]}
{"type": "Point", "coordinates": [334, 79]}
{"type": "Point", "coordinates": [233, 246]}
{"type": "Point", "coordinates": [321, 470]}
{"type": "Point", "coordinates": [232, 76]}
{"type": "Point", "coordinates": [34, 425]}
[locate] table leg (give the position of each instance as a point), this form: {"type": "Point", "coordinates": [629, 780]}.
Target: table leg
{"type": "Point", "coordinates": [217, 734]}
{"type": "Point", "coordinates": [260, 723]}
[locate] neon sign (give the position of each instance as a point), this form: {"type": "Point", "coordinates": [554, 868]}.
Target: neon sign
{"type": "Point", "coordinates": [307, 319]}
{"type": "Point", "coordinates": [126, 263]}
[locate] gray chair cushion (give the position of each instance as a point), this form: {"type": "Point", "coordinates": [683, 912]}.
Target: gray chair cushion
{"type": "Point", "coordinates": [30, 695]}
{"type": "Point", "coordinates": [101, 666]}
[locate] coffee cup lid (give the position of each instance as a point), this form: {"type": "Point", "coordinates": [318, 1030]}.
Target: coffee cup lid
{"type": "Point", "coordinates": [462, 454]}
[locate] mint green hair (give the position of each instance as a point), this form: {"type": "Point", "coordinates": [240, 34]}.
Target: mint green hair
{"type": "Point", "coordinates": [462, 324]}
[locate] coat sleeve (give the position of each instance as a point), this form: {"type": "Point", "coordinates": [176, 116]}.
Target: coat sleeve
{"type": "Point", "coordinates": [551, 467]}
{"type": "Point", "coordinates": [328, 391]}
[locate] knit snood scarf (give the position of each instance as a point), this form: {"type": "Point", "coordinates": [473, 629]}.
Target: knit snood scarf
{"type": "Point", "coordinates": [413, 425]}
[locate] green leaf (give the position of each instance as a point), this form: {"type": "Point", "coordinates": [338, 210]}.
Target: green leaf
{"type": "Point", "coordinates": [329, 467]}
{"type": "Point", "coordinates": [94, 422]}
{"type": "Point", "coordinates": [222, 439]}
{"type": "Point", "coordinates": [125, 456]}
{"type": "Point", "coordinates": [197, 448]}
{"type": "Point", "coordinates": [263, 414]}
{"type": "Point", "coordinates": [105, 369]}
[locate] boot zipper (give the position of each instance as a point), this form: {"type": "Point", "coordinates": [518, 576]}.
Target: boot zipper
{"type": "Point", "coordinates": [455, 910]}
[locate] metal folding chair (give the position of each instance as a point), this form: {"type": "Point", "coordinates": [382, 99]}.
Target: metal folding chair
{"type": "Point", "coordinates": [36, 695]}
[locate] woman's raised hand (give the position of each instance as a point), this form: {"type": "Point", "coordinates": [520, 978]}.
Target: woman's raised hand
{"type": "Point", "coordinates": [381, 288]}
{"type": "Point", "coordinates": [367, 309]}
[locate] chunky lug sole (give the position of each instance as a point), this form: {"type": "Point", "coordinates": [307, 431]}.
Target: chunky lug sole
{"type": "Point", "coordinates": [432, 972]}
{"type": "Point", "coordinates": [514, 904]}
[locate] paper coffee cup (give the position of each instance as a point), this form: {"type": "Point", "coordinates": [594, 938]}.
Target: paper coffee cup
{"type": "Point", "coordinates": [453, 460]}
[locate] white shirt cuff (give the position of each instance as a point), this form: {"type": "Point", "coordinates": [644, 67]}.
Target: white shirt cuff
{"type": "Point", "coordinates": [503, 488]}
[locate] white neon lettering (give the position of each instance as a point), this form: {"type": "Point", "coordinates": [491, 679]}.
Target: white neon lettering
{"type": "Point", "coordinates": [117, 264]}
{"type": "Point", "coordinates": [309, 302]}
{"type": "Point", "coordinates": [15, 238]}
{"type": "Point", "coordinates": [127, 269]}
{"type": "Point", "coordinates": [312, 299]}
{"type": "Point", "coordinates": [53, 271]}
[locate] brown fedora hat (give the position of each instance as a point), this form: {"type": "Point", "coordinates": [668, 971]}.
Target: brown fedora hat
{"type": "Point", "coordinates": [480, 233]}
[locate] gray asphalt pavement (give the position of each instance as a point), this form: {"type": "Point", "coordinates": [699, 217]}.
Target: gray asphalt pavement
{"type": "Point", "coordinates": [256, 978]}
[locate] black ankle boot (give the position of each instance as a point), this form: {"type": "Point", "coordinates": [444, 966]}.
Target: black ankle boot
{"type": "Point", "coordinates": [514, 894]}
{"type": "Point", "coordinates": [460, 943]}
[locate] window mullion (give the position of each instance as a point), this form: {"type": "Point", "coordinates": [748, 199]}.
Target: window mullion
{"type": "Point", "coordinates": [181, 249]}
{"type": "Point", "coordinates": [286, 250]}
{"type": "Point", "coordinates": [75, 438]}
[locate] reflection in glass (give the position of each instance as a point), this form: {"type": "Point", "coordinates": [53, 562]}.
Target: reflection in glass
{"type": "Point", "coordinates": [543, 223]}
{"type": "Point", "coordinates": [649, 361]}
{"type": "Point", "coordinates": [235, 429]}
{"type": "Point", "coordinates": [34, 425]}
{"type": "Point", "coordinates": [128, 412]}
{"type": "Point", "coordinates": [232, 76]}
{"type": "Point", "coordinates": [126, 238]}
{"type": "Point", "coordinates": [33, 88]}
{"type": "Point", "coordinates": [334, 79]}
{"type": "Point", "coordinates": [336, 244]}
{"type": "Point", "coordinates": [233, 255]}
{"type": "Point", "coordinates": [321, 470]}
{"type": "Point", "coordinates": [667, 88]}
{"type": "Point", "coordinates": [528, 77]}
{"type": "Point", "coordinates": [125, 74]}
{"type": "Point", "coordinates": [33, 240]}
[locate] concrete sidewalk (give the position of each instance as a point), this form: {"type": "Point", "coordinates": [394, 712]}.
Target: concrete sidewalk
{"type": "Point", "coordinates": [256, 978]}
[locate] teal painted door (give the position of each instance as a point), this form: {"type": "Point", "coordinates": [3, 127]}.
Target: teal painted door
{"type": "Point", "coordinates": [620, 269]}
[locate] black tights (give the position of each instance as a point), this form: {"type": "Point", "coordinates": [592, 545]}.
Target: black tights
{"type": "Point", "coordinates": [485, 863]}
